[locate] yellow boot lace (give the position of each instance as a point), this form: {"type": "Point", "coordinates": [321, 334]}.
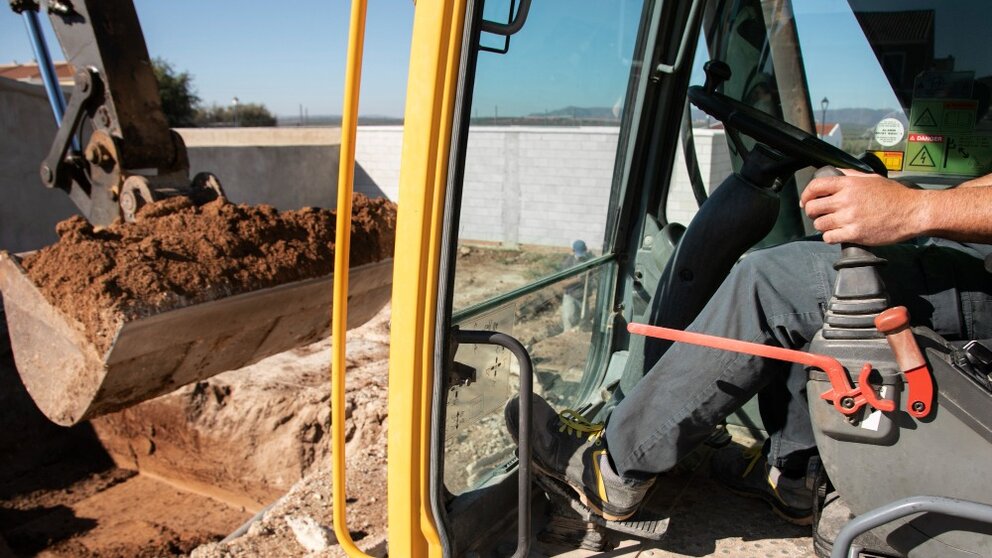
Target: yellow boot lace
{"type": "Point", "coordinates": [754, 455]}
{"type": "Point", "coordinates": [574, 423]}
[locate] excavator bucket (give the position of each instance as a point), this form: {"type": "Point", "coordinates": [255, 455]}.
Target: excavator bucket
{"type": "Point", "coordinates": [71, 381]}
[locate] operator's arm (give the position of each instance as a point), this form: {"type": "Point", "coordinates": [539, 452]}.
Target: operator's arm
{"type": "Point", "coordinates": [871, 210]}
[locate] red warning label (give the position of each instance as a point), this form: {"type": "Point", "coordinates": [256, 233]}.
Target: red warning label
{"type": "Point", "coordinates": [926, 138]}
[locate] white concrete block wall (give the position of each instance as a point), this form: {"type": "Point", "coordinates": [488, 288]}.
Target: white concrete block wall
{"type": "Point", "coordinates": [548, 186]}
{"type": "Point", "coordinates": [523, 185]}
{"type": "Point", "coordinates": [539, 185]}
{"type": "Point", "coordinates": [378, 150]}
{"type": "Point", "coordinates": [29, 211]}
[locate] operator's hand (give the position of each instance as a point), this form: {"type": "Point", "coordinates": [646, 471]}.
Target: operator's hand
{"type": "Point", "coordinates": [862, 208]}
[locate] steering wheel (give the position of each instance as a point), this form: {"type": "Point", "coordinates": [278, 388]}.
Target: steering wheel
{"type": "Point", "coordinates": [801, 147]}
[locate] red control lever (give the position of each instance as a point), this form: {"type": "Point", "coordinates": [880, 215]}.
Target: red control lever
{"type": "Point", "coordinates": [894, 323]}
{"type": "Point", "coordinates": [842, 395]}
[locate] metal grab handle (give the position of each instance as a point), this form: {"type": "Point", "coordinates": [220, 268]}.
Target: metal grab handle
{"type": "Point", "coordinates": [511, 27]}
{"type": "Point", "coordinates": [342, 244]}
{"type": "Point", "coordinates": [844, 543]}
{"type": "Point", "coordinates": [524, 427]}
{"type": "Point", "coordinates": [690, 24]}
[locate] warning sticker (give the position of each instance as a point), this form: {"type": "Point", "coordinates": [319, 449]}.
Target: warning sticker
{"type": "Point", "coordinates": [891, 159]}
{"type": "Point", "coordinates": [944, 115]}
{"type": "Point", "coordinates": [889, 131]}
{"type": "Point", "coordinates": [924, 119]}
{"type": "Point", "coordinates": [923, 157]}
{"type": "Point", "coordinates": [926, 138]}
{"type": "Point", "coordinates": [959, 154]}
{"type": "Point", "coordinates": [942, 138]}
{"type": "Point", "coordinates": [934, 84]}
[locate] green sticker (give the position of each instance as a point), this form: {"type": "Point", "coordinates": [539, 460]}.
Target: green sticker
{"type": "Point", "coordinates": [943, 115]}
{"type": "Point", "coordinates": [942, 138]}
{"type": "Point", "coordinates": [965, 154]}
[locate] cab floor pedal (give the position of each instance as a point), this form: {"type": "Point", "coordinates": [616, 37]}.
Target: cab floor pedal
{"type": "Point", "coordinates": [645, 524]}
{"type": "Point", "coordinates": [568, 529]}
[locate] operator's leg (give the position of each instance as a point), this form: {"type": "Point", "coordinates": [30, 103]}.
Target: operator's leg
{"type": "Point", "coordinates": [785, 415]}
{"type": "Point", "coordinates": [944, 286]}
{"type": "Point", "coordinates": [777, 297]}
{"type": "Point", "coordinates": [773, 296]}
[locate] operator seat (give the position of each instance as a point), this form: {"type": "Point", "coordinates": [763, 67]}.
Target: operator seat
{"type": "Point", "coordinates": [736, 216]}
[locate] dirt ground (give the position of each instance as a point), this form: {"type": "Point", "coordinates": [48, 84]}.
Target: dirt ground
{"type": "Point", "coordinates": [210, 456]}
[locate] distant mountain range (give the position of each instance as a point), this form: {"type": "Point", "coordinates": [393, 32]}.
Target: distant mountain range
{"type": "Point", "coordinates": [849, 118]}
{"type": "Point", "coordinates": [859, 116]}
{"type": "Point", "coordinates": [604, 113]}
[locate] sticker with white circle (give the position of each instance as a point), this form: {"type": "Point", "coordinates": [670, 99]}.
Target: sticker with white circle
{"type": "Point", "coordinates": [889, 132]}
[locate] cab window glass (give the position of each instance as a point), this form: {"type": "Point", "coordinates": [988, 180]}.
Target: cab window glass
{"type": "Point", "coordinates": [908, 83]}
{"type": "Point", "coordinates": [914, 87]}
{"type": "Point", "coordinates": [542, 141]}
{"type": "Point", "coordinates": [538, 176]}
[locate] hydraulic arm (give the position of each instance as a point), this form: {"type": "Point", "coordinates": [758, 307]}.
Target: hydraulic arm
{"type": "Point", "coordinates": [130, 156]}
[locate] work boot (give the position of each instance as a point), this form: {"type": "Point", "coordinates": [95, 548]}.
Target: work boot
{"type": "Point", "coordinates": [571, 450]}
{"type": "Point", "coordinates": [746, 472]}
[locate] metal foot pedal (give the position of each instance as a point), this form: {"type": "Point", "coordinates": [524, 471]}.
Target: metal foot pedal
{"type": "Point", "coordinates": [645, 524]}
{"type": "Point", "coordinates": [566, 528]}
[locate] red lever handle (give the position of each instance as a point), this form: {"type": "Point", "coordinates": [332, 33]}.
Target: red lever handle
{"type": "Point", "coordinates": [844, 397]}
{"type": "Point", "coordinates": [894, 323]}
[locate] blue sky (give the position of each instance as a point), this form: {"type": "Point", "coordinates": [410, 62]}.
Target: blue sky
{"type": "Point", "coordinates": [577, 53]}
{"type": "Point", "coordinates": [572, 52]}
{"type": "Point", "coordinates": [285, 57]}
{"type": "Point", "coordinates": [279, 54]}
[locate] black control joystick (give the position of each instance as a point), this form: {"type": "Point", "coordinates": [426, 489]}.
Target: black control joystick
{"type": "Point", "coordinates": [859, 293]}
{"type": "Point", "coordinates": [717, 72]}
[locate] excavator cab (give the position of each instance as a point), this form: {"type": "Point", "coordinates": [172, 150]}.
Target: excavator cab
{"type": "Point", "coordinates": [671, 139]}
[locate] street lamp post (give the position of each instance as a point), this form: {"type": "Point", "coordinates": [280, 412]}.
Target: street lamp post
{"type": "Point", "coordinates": [823, 119]}
{"type": "Point", "coordinates": [234, 102]}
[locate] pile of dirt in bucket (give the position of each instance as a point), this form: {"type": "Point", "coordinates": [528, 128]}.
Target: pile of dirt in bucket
{"type": "Point", "coordinates": [177, 254]}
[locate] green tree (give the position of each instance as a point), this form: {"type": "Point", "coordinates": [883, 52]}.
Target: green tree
{"type": "Point", "coordinates": [179, 101]}
{"type": "Point", "coordinates": [246, 115]}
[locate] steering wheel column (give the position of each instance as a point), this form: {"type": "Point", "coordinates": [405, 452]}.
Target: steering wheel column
{"type": "Point", "coordinates": [736, 216]}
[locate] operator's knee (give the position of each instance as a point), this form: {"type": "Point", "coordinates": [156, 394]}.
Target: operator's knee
{"type": "Point", "coordinates": [785, 279]}
{"type": "Point", "coordinates": [766, 267]}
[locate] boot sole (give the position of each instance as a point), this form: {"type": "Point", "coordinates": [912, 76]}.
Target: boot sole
{"type": "Point", "coordinates": [583, 498]}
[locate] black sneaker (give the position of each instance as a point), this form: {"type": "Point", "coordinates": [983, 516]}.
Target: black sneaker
{"type": "Point", "coordinates": [571, 450]}
{"type": "Point", "coordinates": [746, 472]}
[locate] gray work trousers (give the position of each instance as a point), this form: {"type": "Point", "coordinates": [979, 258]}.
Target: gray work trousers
{"type": "Point", "coordinates": [777, 297]}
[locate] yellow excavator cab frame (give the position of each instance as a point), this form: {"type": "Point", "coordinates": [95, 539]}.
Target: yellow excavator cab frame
{"type": "Point", "coordinates": [435, 60]}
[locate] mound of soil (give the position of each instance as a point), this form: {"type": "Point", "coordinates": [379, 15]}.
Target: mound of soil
{"type": "Point", "coordinates": [177, 254]}
{"type": "Point", "coordinates": [263, 431]}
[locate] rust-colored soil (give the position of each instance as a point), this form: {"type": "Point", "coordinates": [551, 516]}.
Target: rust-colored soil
{"type": "Point", "coordinates": [177, 254]}
{"type": "Point", "coordinates": [134, 517]}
